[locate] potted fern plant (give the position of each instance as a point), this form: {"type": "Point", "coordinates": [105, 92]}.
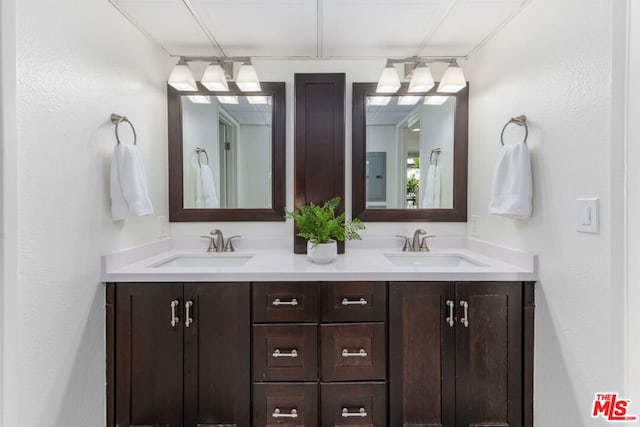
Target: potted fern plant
{"type": "Point", "coordinates": [320, 225]}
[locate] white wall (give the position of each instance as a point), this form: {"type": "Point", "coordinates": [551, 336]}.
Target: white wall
{"type": "Point", "coordinates": [254, 166]}
{"type": "Point", "coordinates": [281, 70]}
{"type": "Point", "coordinates": [76, 62]}
{"type": "Point", "coordinates": [383, 139]}
{"type": "Point", "coordinates": [554, 64]}
{"type": "Point", "coordinates": [437, 125]}
{"type": "Point", "coordinates": [200, 129]}
{"type": "Point", "coordinates": [633, 207]}
{"type": "Point", "coordinates": [8, 212]}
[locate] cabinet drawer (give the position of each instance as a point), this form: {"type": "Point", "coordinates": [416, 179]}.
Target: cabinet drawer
{"type": "Point", "coordinates": [285, 353]}
{"type": "Point", "coordinates": [285, 302]}
{"type": "Point", "coordinates": [353, 352]}
{"type": "Point", "coordinates": [349, 404]}
{"type": "Point", "coordinates": [354, 301]}
{"type": "Point", "coordinates": [285, 404]}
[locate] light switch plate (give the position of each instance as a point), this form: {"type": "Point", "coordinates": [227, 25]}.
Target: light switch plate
{"type": "Point", "coordinates": [162, 226]}
{"type": "Point", "coordinates": [587, 215]}
{"type": "Point", "coordinates": [475, 225]}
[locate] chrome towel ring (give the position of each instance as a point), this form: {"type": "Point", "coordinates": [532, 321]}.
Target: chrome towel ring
{"type": "Point", "coordinates": [200, 151]}
{"type": "Point", "coordinates": [116, 119]}
{"type": "Point", "coordinates": [520, 121]}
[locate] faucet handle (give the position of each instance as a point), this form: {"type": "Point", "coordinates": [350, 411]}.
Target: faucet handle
{"type": "Point", "coordinates": [212, 243]}
{"type": "Point", "coordinates": [229, 246]}
{"type": "Point", "coordinates": [407, 244]}
{"type": "Point", "coordinates": [423, 244]}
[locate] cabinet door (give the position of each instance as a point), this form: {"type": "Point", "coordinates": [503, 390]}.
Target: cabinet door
{"type": "Point", "coordinates": [149, 348]}
{"type": "Point", "coordinates": [217, 385]}
{"type": "Point", "coordinates": [421, 354]}
{"type": "Point", "coordinates": [489, 354]}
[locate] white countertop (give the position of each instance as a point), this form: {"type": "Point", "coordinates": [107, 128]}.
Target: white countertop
{"type": "Point", "coordinates": [273, 260]}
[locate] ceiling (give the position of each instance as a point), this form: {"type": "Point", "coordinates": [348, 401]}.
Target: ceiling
{"type": "Point", "coordinates": [320, 28]}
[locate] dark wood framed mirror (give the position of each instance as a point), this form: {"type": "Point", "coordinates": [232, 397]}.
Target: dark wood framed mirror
{"type": "Point", "coordinates": [227, 154]}
{"type": "Point", "coordinates": [410, 153]}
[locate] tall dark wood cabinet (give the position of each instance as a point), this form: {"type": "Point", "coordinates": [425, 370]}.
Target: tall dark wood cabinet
{"type": "Point", "coordinates": [455, 354]}
{"type": "Point", "coordinates": [181, 354]}
{"type": "Point", "coordinates": [319, 142]}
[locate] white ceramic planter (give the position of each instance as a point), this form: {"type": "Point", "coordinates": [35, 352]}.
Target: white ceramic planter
{"type": "Point", "coordinates": [324, 253]}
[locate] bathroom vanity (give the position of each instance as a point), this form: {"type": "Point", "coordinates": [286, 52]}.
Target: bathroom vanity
{"type": "Point", "coordinates": [368, 340]}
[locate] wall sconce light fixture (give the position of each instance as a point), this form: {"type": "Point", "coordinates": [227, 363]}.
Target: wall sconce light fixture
{"type": "Point", "coordinates": [216, 75]}
{"type": "Point", "coordinates": [421, 81]}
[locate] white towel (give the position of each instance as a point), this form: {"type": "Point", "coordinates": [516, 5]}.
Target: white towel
{"type": "Point", "coordinates": [512, 188]}
{"type": "Point", "coordinates": [206, 195]}
{"type": "Point", "coordinates": [431, 199]}
{"type": "Point", "coordinates": [129, 196]}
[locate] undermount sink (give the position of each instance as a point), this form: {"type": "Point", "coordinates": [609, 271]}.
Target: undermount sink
{"type": "Point", "coordinates": [430, 259]}
{"type": "Point", "coordinates": [204, 260]}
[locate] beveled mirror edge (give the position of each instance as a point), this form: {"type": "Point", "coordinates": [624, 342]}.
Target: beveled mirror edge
{"type": "Point", "coordinates": [359, 151]}
{"type": "Point", "coordinates": [177, 212]}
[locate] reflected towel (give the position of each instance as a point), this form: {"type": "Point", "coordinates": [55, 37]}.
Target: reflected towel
{"type": "Point", "coordinates": [512, 188]}
{"type": "Point", "coordinates": [128, 181]}
{"type": "Point", "coordinates": [206, 195]}
{"type": "Point", "coordinates": [431, 199]}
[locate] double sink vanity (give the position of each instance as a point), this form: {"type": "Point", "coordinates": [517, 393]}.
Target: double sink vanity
{"type": "Point", "coordinates": [261, 336]}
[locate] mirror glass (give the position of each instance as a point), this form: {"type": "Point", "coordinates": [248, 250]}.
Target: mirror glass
{"type": "Point", "coordinates": [227, 154]}
{"type": "Point", "coordinates": [409, 155]}
{"type": "Point", "coordinates": [226, 143]}
{"type": "Point", "coordinates": [409, 152]}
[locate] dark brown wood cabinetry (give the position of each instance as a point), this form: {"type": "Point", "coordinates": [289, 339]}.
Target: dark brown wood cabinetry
{"type": "Point", "coordinates": [456, 354]}
{"type": "Point", "coordinates": [320, 354]}
{"type": "Point", "coordinates": [181, 354]}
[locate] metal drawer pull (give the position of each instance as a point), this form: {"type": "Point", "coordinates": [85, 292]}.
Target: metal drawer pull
{"type": "Point", "coordinates": [361, 413]}
{"type": "Point", "coordinates": [187, 313]}
{"type": "Point", "coordinates": [361, 353]}
{"type": "Point", "coordinates": [450, 320]}
{"type": "Point", "coordinates": [174, 318]}
{"type": "Point", "coordinates": [277, 353]}
{"type": "Point", "coordinates": [361, 301]}
{"type": "Point", "coordinates": [277, 302]}
{"type": "Point", "coordinates": [465, 319]}
{"type": "Point", "coordinates": [277, 414]}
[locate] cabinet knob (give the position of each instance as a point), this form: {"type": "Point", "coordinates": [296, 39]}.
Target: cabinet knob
{"type": "Point", "coordinates": [174, 319]}
{"type": "Point", "coordinates": [347, 353]}
{"type": "Point", "coordinates": [465, 318]}
{"type": "Point", "coordinates": [347, 301]}
{"type": "Point", "coordinates": [361, 413]}
{"type": "Point", "coordinates": [450, 319]}
{"type": "Point", "coordinates": [278, 302]}
{"type": "Point", "coordinates": [187, 313]}
{"type": "Point", "coordinates": [277, 353]}
{"type": "Point", "coordinates": [279, 414]}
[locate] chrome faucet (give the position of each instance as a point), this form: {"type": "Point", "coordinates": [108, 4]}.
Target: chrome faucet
{"type": "Point", "coordinates": [217, 242]}
{"type": "Point", "coordinates": [418, 243]}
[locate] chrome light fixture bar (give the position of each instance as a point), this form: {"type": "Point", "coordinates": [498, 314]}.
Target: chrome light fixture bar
{"type": "Point", "coordinates": [216, 75]}
{"type": "Point", "coordinates": [422, 81]}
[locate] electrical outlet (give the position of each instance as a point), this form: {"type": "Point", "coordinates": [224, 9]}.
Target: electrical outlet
{"type": "Point", "coordinates": [162, 226]}
{"type": "Point", "coordinates": [475, 225]}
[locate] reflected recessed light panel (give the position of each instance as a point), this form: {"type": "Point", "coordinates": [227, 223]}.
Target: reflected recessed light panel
{"type": "Point", "coordinates": [409, 100]}
{"type": "Point", "coordinates": [378, 100]}
{"type": "Point", "coordinates": [259, 99]}
{"type": "Point", "coordinates": [435, 100]}
{"type": "Point", "coordinates": [199, 99]}
{"type": "Point", "coordinates": [227, 99]}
